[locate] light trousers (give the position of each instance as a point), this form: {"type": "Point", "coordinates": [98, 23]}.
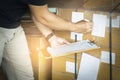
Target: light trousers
{"type": "Point", "coordinates": [14, 54]}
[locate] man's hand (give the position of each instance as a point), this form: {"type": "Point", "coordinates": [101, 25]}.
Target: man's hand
{"type": "Point", "coordinates": [56, 41]}
{"type": "Point", "coordinates": [83, 26]}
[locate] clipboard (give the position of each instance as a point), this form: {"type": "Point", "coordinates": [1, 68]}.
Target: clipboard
{"type": "Point", "coordinates": [72, 48]}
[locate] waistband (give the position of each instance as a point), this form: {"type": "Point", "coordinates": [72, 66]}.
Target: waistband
{"type": "Point", "coordinates": [11, 26]}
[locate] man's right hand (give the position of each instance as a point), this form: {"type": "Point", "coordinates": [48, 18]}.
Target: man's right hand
{"type": "Point", "coordinates": [83, 26]}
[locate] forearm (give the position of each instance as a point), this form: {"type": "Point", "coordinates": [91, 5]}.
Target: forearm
{"type": "Point", "coordinates": [51, 20]}
{"type": "Point", "coordinates": [42, 28]}
{"type": "Point", "coordinates": [57, 23]}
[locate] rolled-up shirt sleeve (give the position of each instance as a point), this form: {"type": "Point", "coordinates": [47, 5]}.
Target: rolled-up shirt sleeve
{"type": "Point", "coordinates": [35, 2]}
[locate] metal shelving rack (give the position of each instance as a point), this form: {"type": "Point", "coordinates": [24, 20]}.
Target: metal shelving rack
{"type": "Point", "coordinates": [110, 36]}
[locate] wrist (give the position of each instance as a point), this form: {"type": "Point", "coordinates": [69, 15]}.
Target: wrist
{"type": "Point", "coordinates": [49, 36]}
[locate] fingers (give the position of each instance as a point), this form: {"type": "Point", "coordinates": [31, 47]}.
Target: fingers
{"type": "Point", "coordinates": [83, 26]}
{"type": "Point", "coordinates": [89, 30]}
{"type": "Point", "coordinates": [90, 27]}
{"type": "Point", "coordinates": [62, 41]}
{"type": "Point", "coordinates": [91, 24]}
{"type": "Point", "coordinates": [56, 41]}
